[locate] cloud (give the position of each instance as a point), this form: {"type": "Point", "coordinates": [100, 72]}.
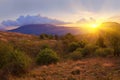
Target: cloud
{"type": "Point", "coordinates": [24, 20]}
{"type": "Point", "coordinates": [114, 19]}
{"type": "Point", "coordinates": [2, 27]}
{"type": "Point", "coordinates": [10, 23]}
{"type": "Point", "coordinates": [86, 20]}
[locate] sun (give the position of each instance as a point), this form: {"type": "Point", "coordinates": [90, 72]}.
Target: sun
{"type": "Point", "coordinates": [94, 25]}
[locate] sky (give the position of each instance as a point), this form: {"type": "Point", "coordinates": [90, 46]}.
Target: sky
{"type": "Point", "coordinates": [63, 10]}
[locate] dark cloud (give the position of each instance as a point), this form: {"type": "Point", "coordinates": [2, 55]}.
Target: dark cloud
{"type": "Point", "coordinates": [24, 20]}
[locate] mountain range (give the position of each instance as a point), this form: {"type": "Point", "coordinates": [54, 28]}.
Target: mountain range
{"type": "Point", "coordinates": [37, 29]}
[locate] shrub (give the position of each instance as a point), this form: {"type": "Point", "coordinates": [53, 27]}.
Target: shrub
{"type": "Point", "coordinates": [101, 42]}
{"type": "Point", "coordinates": [19, 62]}
{"type": "Point", "coordinates": [69, 37]}
{"type": "Point", "coordinates": [13, 61]}
{"type": "Point", "coordinates": [113, 38]}
{"type": "Point", "coordinates": [46, 36]}
{"type": "Point", "coordinates": [82, 43]}
{"type": "Point", "coordinates": [89, 49]}
{"type": "Point", "coordinates": [47, 56]}
{"type": "Point", "coordinates": [76, 55]}
{"type": "Point", "coordinates": [44, 46]}
{"type": "Point", "coordinates": [73, 46]}
{"type": "Point", "coordinates": [103, 52]}
{"type": "Point", "coordinates": [5, 51]}
{"type": "Point", "coordinates": [43, 36]}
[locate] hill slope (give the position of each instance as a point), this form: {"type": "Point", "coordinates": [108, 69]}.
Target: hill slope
{"type": "Point", "coordinates": [13, 36]}
{"type": "Point", "coordinates": [46, 28]}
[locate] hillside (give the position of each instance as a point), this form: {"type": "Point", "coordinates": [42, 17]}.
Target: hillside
{"type": "Point", "coordinates": [79, 57]}
{"type": "Point", "coordinates": [12, 36]}
{"type": "Point", "coordinates": [46, 28]}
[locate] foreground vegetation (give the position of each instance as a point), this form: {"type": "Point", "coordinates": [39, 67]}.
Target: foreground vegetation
{"type": "Point", "coordinates": [20, 54]}
{"type": "Point", "coordinates": [85, 69]}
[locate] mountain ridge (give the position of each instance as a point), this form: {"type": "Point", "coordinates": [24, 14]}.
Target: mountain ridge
{"type": "Point", "coordinates": [46, 28]}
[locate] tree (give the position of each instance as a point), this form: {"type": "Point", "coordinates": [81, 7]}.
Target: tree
{"type": "Point", "coordinates": [73, 46]}
{"type": "Point", "coordinates": [69, 37]}
{"type": "Point", "coordinates": [111, 31]}
{"type": "Point", "coordinates": [114, 39]}
{"type": "Point", "coordinates": [43, 36]}
{"type": "Point", "coordinates": [100, 42]}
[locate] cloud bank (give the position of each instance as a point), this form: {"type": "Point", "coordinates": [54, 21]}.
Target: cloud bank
{"type": "Point", "coordinates": [24, 20]}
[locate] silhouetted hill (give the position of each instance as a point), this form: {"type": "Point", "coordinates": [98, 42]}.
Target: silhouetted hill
{"type": "Point", "coordinates": [110, 27]}
{"type": "Point", "coordinates": [46, 28]}
{"type": "Point", "coordinates": [111, 24]}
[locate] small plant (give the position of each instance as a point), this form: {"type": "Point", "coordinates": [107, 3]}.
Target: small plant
{"type": "Point", "coordinates": [89, 49]}
{"type": "Point", "coordinates": [46, 36]}
{"type": "Point", "coordinates": [100, 42]}
{"type": "Point", "coordinates": [82, 43]}
{"type": "Point", "coordinates": [47, 56]}
{"type": "Point", "coordinates": [103, 52]}
{"type": "Point", "coordinates": [76, 55]}
{"type": "Point", "coordinates": [5, 51]}
{"type": "Point", "coordinates": [19, 62]}
{"type": "Point", "coordinates": [43, 36]}
{"type": "Point", "coordinates": [44, 46]}
{"type": "Point", "coordinates": [73, 46]}
{"type": "Point", "coordinates": [13, 61]}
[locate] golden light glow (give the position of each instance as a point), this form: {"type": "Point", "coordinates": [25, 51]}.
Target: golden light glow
{"type": "Point", "coordinates": [94, 25]}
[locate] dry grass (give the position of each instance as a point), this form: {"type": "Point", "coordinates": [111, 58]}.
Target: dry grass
{"type": "Point", "coordinates": [12, 36]}
{"type": "Point", "coordinates": [86, 69]}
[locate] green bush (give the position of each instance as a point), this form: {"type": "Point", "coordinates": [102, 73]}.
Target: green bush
{"type": "Point", "coordinates": [82, 43]}
{"type": "Point", "coordinates": [89, 49]}
{"type": "Point", "coordinates": [19, 62]}
{"type": "Point", "coordinates": [101, 42]}
{"type": "Point", "coordinates": [103, 52]}
{"type": "Point", "coordinates": [44, 46]}
{"type": "Point", "coordinates": [76, 55]}
{"type": "Point", "coordinates": [73, 46]}
{"type": "Point", "coordinates": [5, 51]}
{"type": "Point", "coordinates": [43, 36]}
{"type": "Point", "coordinates": [46, 36]}
{"type": "Point", "coordinates": [13, 61]}
{"type": "Point", "coordinates": [47, 56]}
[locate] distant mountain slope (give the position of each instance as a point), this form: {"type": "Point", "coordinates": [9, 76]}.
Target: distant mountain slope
{"type": "Point", "coordinates": [111, 25]}
{"type": "Point", "coordinates": [46, 28]}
